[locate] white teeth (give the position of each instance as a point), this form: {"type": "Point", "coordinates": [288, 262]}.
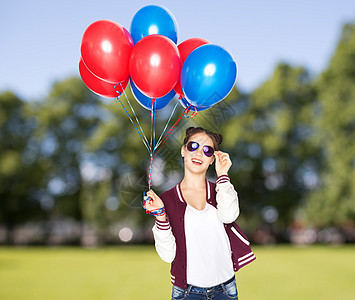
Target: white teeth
{"type": "Point", "coordinates": [197, 161]}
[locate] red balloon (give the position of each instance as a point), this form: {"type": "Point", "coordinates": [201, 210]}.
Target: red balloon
{"type": "Point", "coordinates": [185, 48]}
{"type": "Point", "coordinates": [99, 86]}
{"type": "Point", "coordinates": [155, 65]}
{"type": "Point", "coordinates": [105, 49]}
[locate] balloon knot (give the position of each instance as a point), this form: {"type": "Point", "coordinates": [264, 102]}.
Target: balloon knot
{"type": "Point", "coordinates": [188, 109]}
{"type": "Point", "coordinates": [118, 92]}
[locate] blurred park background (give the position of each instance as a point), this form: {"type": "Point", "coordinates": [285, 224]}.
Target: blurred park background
{"type": "Point", "coordinates": [73, 171]}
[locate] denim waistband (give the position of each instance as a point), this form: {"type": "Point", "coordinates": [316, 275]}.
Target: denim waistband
{"type": "Point", "coordinates": [216, 288]}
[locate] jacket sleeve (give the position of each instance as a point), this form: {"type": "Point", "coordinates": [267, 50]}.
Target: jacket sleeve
{"type": "Point", "coordinates": [164, 241]}
{"type": "Point", "coordinates": [227, 200]}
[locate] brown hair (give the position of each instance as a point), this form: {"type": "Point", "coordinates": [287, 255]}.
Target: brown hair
{"type": "Point", "coordinates": [215, 137]}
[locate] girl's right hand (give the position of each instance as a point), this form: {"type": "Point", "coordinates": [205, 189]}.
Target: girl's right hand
{"type": "Point", "coordinates": [154, 203]}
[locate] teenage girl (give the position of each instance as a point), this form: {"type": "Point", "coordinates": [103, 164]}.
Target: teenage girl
{"type": "Point", "coordinates": [195, 230]}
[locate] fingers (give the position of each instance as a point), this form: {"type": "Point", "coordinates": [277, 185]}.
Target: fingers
{"type": "Point", "coordinates": [147, 202]}
{"type": "Point", "coordinates": [150, 197]}
{"type": "Point", "coordinates": [222, 156]}
{"type": "Point", "coordinates": [218, 153]}
{"type": "Point", "coordinates": [151, 194]}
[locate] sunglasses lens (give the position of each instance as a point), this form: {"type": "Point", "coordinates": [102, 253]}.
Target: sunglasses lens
{"type": "Point", "coordinates": [192, 146]}
{"type": "Point", "coordinates": [208, 151]}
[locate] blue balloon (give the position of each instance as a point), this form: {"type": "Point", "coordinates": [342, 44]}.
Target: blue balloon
{"type": "Point", "coordinates": [146, 102]}
{"type": "Point", "coordinates": [184, 103]}
{"type": "Point", "coordinates": [153, 19]}
{"type": "Point", "coordinates": [208, 75]}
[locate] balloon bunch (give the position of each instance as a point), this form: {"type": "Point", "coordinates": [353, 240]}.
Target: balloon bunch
{"type": "Point", "coordinates": [200, 73]}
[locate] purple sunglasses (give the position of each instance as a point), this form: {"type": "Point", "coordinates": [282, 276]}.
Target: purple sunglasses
{"type": "Point", "coordinates": [193, 146]}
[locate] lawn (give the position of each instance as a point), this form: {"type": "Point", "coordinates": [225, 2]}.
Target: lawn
{"type": "Point", "coordinates": [125, 273]}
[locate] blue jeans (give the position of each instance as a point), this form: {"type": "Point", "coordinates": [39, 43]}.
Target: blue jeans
{"type": "Point", "coordinates": [226, 290]}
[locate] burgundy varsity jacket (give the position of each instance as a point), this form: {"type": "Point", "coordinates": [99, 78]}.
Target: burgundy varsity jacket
{"type": "Point", "coordinates": [175, 207]}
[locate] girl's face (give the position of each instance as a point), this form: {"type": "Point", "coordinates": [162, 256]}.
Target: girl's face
{"type": "Point", "coordinates": [197, 161]}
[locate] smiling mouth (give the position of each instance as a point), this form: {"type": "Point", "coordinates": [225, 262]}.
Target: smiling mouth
{"type": "Point", "coordinates": [197, 162]}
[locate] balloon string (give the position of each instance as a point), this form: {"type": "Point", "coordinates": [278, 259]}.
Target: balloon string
{"type": "Point", "coordinates": [134, 113]}
{"type": "Point", "coordinates": [153, 152]}
{"type": "Point", "coordinates": [152, 126]}
{"type": "Point", "coordinates": [155, 109]}
{"type": "Point", "coordinates": [145, 144]}
{"type": "Point", "coordinates": [166, 126]}
{"type": "Point", "coordinates": [152, 141]}
{"type": "Point", "coordinates": [154, 148]}
{"type": "Point", "coordinates": [171, 130]}
{"type": "Point", "coordinates": [150, 171]}
{"type": "Point", "coordinates": [161, 142]}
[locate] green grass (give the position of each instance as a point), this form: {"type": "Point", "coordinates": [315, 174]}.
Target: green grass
{"type": "Point", "coordinates": [125, 273]}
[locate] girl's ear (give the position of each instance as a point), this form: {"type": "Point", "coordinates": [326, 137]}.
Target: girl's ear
{"type": "Point", "coordinates": [214, 158]}
{"type": "Point", "coordinates": [183, 151]}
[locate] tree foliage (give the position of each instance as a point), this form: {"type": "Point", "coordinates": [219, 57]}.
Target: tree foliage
{"type": "Point", "coordinates": [66, 119]}
{"type": "Point", "coordinates": [333, 202]}
{"type": "Point", "coordinates": [292, 143]}
{"type": "Point", "coordinates": [20, 170]}
{"type": "Point", "coordinates": [269, 141]}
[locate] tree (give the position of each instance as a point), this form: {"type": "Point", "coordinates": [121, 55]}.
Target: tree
{"type": "Point", "coordinates": [67, 118]}
{"type": "Point", "coordinates": [20, 171]}
{"type": "Point", "coordinates": [117, 149]}
{"type": "Point", "coordinates": [270, 143]}
{"type": "Point", "coordinates": [333, 202]}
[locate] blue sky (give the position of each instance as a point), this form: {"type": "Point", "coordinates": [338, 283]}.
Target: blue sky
{"type": "Point", "coordinates": [40, 40]}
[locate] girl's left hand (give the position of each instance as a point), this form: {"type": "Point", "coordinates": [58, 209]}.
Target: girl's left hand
{"type": "Point", "coordinates": [223, 163]}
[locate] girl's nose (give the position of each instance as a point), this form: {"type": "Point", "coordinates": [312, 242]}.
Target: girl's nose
{"type": "Point", "coordinates": [199, 151]}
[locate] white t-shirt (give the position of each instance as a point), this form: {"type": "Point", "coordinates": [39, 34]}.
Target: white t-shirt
{"type": "Point", "coordinates": [208, 249]}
